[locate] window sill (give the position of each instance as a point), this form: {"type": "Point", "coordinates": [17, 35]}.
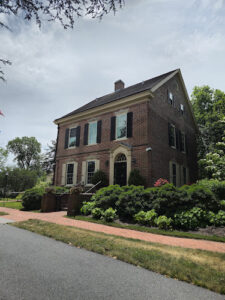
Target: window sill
{"type": "Point", "coordinates": [69, 148]}
{"type": "Point", "coordinates": [173, 147]}
{"type": "Point", "coordinates": [120, 139]}
{"type": "Point", "coordinates": [91, 144]}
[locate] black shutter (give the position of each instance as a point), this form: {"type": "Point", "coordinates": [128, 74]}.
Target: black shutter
{"type": "Point", "coordinates": [113, 128]}
{"type": "Point", "coordinates": [78, 136]}
{"type": "Point", "coordinates": [177, 139]}
{"type": "Point", "coordinates": [86, 133]}
{"type": "Point", "coordinates": [169, 134]}
{"type": "Point", "coordinates": [99, 131]}
{"type": "Point", "coordinates": [129, 124]}
{"type": "Point", "coordinates": [186, 143]}
{"type": "Point", "coordinates": [66, 138]}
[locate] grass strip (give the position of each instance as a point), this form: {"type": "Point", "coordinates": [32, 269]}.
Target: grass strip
{"type": "Point", "coordinates": [175, 233]}
{"type": "Point", "coordinates": [15, 205]}
{"type": "Point", "coordinates": [3, 213]}
{"type": "Point", "coordinates": [202, 268]}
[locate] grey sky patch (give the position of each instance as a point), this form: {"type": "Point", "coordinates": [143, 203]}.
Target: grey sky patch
{"type": "Point", "coordinates": [55, 71]}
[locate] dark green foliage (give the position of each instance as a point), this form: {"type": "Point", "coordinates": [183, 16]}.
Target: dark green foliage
{"type": "Point", "coordinates": [109, 215]}
{"type": "Point", "coordinates": [107, 197]}
{"type": "Point", "coordinates": [216, 186]}
{"type": "Point", "coordinates": [131, 200]}
{"type": "Point", "coordinates": [100, 176]}
{"type": "Point", "coordinates": [217, 219]}
{"type": "Point", "coordinates": [136, 178]}
{"type": "Point", "coordinates": [31, 199]}
{"type": "Point", "coordinates": [191, 219]}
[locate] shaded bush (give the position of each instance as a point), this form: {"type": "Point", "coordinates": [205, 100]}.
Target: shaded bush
{"type": "Point", "coordinates": [217, 219]}
{"type": "Point", "coordinates": [100, 176]}
{"type": "Point", "coordinates": [136, 178]}
{"type": "Point", "coordinates": [107, 197]}
{"type": "Point", "coordinates": [87, 208]}
{"type": "Point", "coordinates": [97, 213]}
{"type": "Point", "coordinates": [191, 219]}
{"type": "Point", "coordinates": [109, 215]}
{"type": "Point", "coordinates": [31, 199]}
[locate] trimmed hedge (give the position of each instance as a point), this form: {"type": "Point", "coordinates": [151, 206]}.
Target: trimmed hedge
{"type": "Point", "coordinates": [31, 199]}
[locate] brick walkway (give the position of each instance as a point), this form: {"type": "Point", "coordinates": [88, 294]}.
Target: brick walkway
{"type": "Point", "coordinates": [58, 218]}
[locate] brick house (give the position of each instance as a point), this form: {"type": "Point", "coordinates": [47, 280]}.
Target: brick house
{"type": "Point", "coordinates": [148, 126]}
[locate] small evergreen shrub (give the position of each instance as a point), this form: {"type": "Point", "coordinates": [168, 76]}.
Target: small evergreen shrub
{"type": "Point", "coordinates": [216, 186]}
{"type": "Point", "coordinates": [107, 197]}
{"type": "Point", "coordinates": [100, 176]}
{"type": "Point", "coordinates": [87, 208]}
{"type": "Point", "coordinates": [109, 215]}
{"type": "Point", "coordinates": [31, 199]}
{"type": "Point", "coordinates": [163, 222]}
{"type": "Point", "coordinates": [136, 178]}
{"type": "Point", "coordinates": [97, 213]}
{"type": "Point", "coordinates": [191, 219]}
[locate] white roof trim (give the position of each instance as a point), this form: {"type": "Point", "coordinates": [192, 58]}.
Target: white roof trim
{"type": "Point", "coordinates": [164, 81]}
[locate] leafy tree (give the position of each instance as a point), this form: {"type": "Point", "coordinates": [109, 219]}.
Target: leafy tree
{"type": "Point", "coordinates": [213, 164]}
{"type": "Point", "coordinates": [3, 157]}
{"type": "Point", "coordinates": [49, 158]}
{"type": "Point", "coordinates": [209, 109]}
{"type": "Point", "coordinates": [17, 180]}
{"type": "Point", "coordinates": [64, 11]}
{"type": "Point", "coordinates": [27, 152]}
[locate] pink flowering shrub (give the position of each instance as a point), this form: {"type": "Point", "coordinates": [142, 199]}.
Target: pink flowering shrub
{"type": "Point", "coordinates": [160, 182]}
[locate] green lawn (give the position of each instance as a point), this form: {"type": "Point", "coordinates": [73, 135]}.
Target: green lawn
{"type": "Point", "coordinates": [154, 230]}
{"type": "Point", "coordinates": [202, 268]}
{"type": "Point", "coordinates": [3, 213]}
{"type": "Point", "coordinates": [16, 205]}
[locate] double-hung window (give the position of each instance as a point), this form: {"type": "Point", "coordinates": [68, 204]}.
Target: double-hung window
{"type": "Point", "coordinates": [69, 174]}
{"type": "Point", "coordinates": [72, 137]}
{"type": "Point", "coordinates": [121, 126]}
{"type": "Point", "coordinates": [174, 174]}
{"type": "Point", "coordinates": [171, 98]}
{"type": "Point", "coordinates": [90, 171]}
{"type": "Point", "coordinates": [182, 142]}
{"type": "Point", "coordinates": [172, 136]}
{"type": "Point", "coordinates": [92, 133]}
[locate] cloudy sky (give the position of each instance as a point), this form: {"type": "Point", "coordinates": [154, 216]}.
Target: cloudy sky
{"type": "Point", "coordinates": [55, 71]}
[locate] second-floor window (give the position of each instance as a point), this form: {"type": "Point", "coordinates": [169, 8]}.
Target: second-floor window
{"type": "Point", "coordinates": [172, 135]}
{"type": "Point", "coordinates": [170, 98]}
{"type": "Point", "coordinates": [121, 126]}
{"type": "Point", "coordinates": [92, 133]}
{"type": "Point", "coordinates": [72, 137]}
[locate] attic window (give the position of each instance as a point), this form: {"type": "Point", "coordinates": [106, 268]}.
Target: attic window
{"type": "Point", "coordinates": [170, 98]}
{"type": "Point", "coordinates": [182, 109]}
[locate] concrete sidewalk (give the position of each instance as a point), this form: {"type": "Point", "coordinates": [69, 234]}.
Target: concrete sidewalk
{"type": "Point", "coordinates": [58, 218]}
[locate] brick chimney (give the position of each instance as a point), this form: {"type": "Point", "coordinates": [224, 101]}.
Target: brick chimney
{"type": "Point", "coordinates": [119, 85]}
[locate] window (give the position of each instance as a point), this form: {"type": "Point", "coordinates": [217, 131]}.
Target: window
{"type": "Point", "coordinates": [90, 171]}
{"type": "Point", "coordinates": [182, 142]}
{"type": "Point", "coordinates": [121, 126]}
{"type": "Point", "coordinates": [174, 174]}
{"type": "Point", "coordinates": [182, 109]}
{"type": "Point", "coordinates": [72, 137]}
{"type": "Point", "coordinates": [69, 173]}
{"type": "Point", "coordinates": [92, 133]}
{"type": "Point", "coordinates": [172, 136]}
{"type": "Point", "coordinates": [171, 98]}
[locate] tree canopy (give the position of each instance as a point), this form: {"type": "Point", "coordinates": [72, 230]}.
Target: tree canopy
{"type": "Point", "coordinates": [27, 152]}
{"type": "Point", "coordinates": [3, 157]}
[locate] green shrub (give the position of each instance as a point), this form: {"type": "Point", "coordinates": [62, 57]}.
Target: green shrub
{"type": "Point", "coordinates": [107, 197]}
{"type": "Point", "coordinates": [217, 219]}
{"type": "Point", "coordinates": [136, 178]}
{"type": "Point", "coordinates": [109, 215]}
{"type": "Point", "coordinates": [216, 186]}
{"type": "Point", "coordinates": [222, 204]}
{"type": "Point", "coordinates": [191, 219]}
{"type": "Point", "coordinates": [150, 217]}
{"type": "Point", "coordinates": [203, 197]}
{"type": "Point", "coordinates": [31, 199]}
{"type": "Point", "coordinates": [100, 176]}
{"type": "Point", "coordinates": [87, 208]}
{"type": "Point", "coordinates": [97, 213]}
{"type": "Point", "coordinates": [140, 217]}
{"type": "Point", "coordinates": [163, 222]}
{"type": "Point", "coordinates": [131, 200]}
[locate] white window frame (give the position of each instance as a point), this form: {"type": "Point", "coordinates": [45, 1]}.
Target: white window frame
{"type": "Point", "coordinates": [88, 161]}
{"type": "Point", "coordinates": [178, 177]}
{"type": "Point", "coordinates": [89, 132]}
{"type": "Point", "coordinates": [124, 137]}
{"type": "Point", "coordinates": [64, 173]}
{"type": "Point", "coordinates": [84, 174]}
{"type": "Point", "coordinates": [71, 147]}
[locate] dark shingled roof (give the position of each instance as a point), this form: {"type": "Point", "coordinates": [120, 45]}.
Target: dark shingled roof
{"type": "Point", "coordinates": [131, 90]}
